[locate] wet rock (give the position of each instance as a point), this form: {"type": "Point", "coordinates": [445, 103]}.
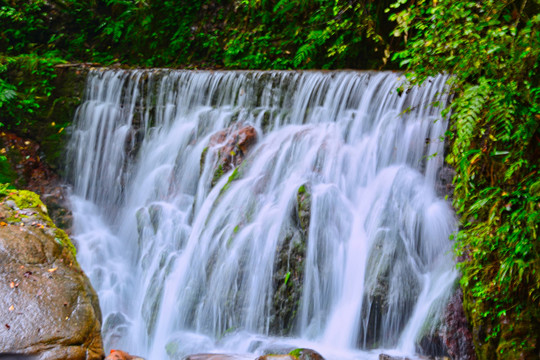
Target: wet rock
{"type": "Point", "coordinates": [432, 345]}
{"type": "Point", "coordinates": [186, 343]}
{"type": "Point", "coordinates": [121, 355]}
{"type": "Point", "coordinates": [306, 354]}
{"type": "Point", "coordinates": [215, 357]}
{"type": "Point", "coordinates": [303, 200]}
{"type": "Point", "coordinates": [457, 336]}
{"type": "Point", "coordinates": [232, 146]}
{"type": "Point", "coordinates": [272, 348]}
{"type": "Point", "coordinates": [115, 328]}
{"type": "Point", "coordinates": [389, 357]}
{"type": "Point", "coordinates": [13, 356]}
{"type": "Point", "coordinates": [277, 357]}
{"type": "Point", "coordinates": [48, 306]}
{"type": "Point", "coordinates": [287, 282]}
{"type": "Point", "coordinates": [388, 270]}
{"type": "Point", "coordinates": [288, 276]}
{"type": "Point", "coordinates": [445, 178]}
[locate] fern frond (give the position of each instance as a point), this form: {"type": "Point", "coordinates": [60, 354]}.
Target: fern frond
{"type": "Point", "coordinates": [467, 112]}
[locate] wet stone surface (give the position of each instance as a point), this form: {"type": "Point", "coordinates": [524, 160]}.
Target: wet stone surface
{"type": "Point", "coordinates": [48, 307]}
{"type": "Point", "coordinates": [232, 146]}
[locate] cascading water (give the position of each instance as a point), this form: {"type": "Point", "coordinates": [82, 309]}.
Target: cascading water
{"type": "Point", "coordinates": [327, 230]}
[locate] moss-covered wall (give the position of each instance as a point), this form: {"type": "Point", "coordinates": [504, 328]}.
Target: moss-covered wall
{"type": "Point", "coordinates": [48, 96]}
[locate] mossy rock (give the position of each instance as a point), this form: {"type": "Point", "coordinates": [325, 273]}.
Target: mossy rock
{"type": "Point", "coordinates": [29, 206]}
{"type": "Point", "coordinates": [303, 207]}
{"type": "Point", "coordinates": [48, 306]}
{"type": "Point", "coordinates": [306, 354]}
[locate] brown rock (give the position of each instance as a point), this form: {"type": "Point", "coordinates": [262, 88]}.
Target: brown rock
{"type": "Point", "coordinates": [457, 336]}
{"type": "Point", "coordinates": [308, 354]}
{"type": "Point", "coordinates": [232, 146]}
{"type": "Point", "coordinates": [48, 306]}
{"type": "Point", "coordinates": [121, 355]}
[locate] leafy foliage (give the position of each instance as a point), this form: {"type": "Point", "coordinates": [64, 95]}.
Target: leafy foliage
{"type": "Point", "coordinates": [278, 34]}
{"type": "Point", "coordinates": [492, 48]}
{"type": "Point", "coordinates": [309, 34]}
{"type": "Point", "coordinates": [21, 96]}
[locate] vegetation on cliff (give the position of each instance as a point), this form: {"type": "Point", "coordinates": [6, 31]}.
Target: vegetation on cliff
{"type": "Point", "coordinates": [491, 47]}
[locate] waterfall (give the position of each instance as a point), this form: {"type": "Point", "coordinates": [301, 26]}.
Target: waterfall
{"type": "Point", "coordinates": [245, 212]}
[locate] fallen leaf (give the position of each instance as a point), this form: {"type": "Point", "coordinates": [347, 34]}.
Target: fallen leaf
{"type": "Point", "coordinates": [11, 308]}
{"type": "Point", "coordinates": [52, 270]}
{"type": "Point", "coordinates": [8, 327]}
{"type": "Point", "coordinates": [12, 284]}
{"type": "Point", "coordinates": [3, 224]}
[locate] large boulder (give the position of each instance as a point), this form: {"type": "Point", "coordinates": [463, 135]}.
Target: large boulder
{"type": "Point", "coordinates": [47, 305]}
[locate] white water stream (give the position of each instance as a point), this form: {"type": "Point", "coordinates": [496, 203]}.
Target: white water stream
{"type": "Point", "coordinates": [183, 267]}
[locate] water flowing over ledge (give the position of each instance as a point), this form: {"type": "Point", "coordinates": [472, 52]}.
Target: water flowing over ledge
{"type": "Point", "coordinates": [326, 233]}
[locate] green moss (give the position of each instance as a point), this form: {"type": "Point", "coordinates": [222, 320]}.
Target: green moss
{"type": "Point", "coordinates": [217, 174]}
{"type": "Point", "coordinates": [25, 199]}
{"type": "Point", "coordinates": [63, 239]}
{"type": "Point", "coordinates": [303, 199]}
{"type": "Point", "coordinates": [234, 176]}
{"type": "Point", "coordinates": [203, 159]}
{"type": "Point", "coordinates": [296, 352]}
